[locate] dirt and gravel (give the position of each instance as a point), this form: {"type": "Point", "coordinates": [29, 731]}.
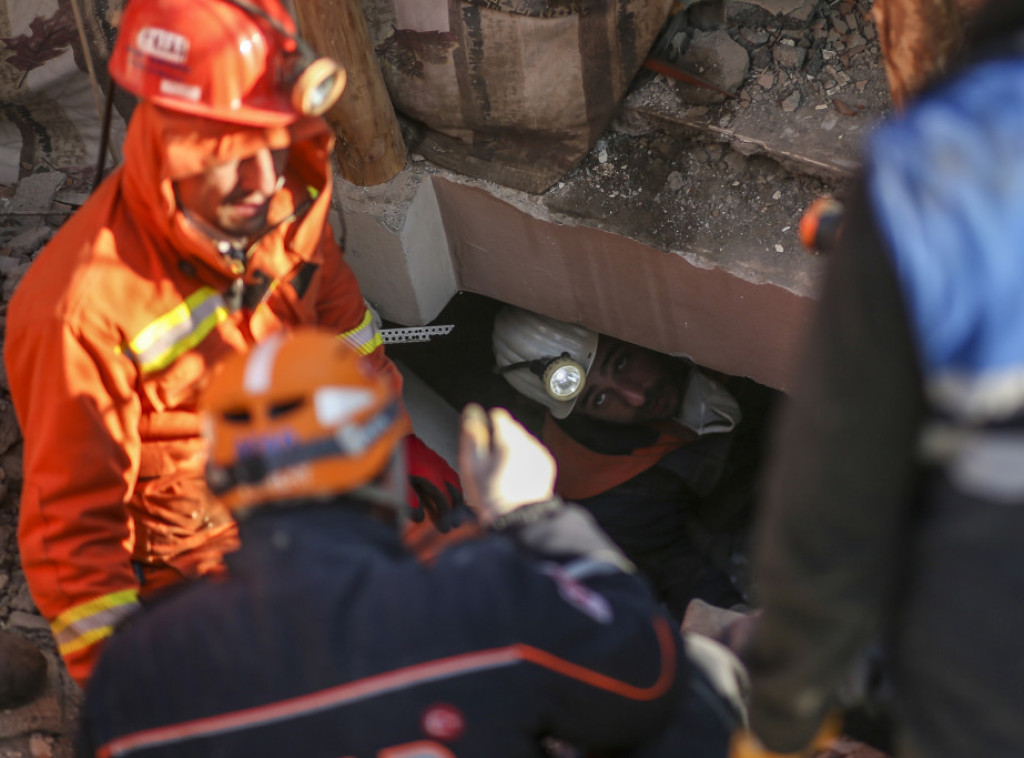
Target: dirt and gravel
{"type": "Point", "coordinates": [688, 169]}
{"type": "Point", "coordinates": [681, 167]}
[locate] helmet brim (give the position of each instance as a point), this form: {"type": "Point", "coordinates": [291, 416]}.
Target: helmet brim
{"type": "Point", "coordinates": [269, 115]}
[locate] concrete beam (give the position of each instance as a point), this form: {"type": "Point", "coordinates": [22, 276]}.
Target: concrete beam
{"type": "Point", "coordinates": [618, 286]}
{"type": "Point", "coordinates": [428, 234]}
{"type": "Point", "coordinates": [395, 241]}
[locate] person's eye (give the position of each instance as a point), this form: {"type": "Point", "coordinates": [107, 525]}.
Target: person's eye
{"type": "Point", "coordinates": [598, 400]}
{"type": "Point", "coordinates": [620, 362]}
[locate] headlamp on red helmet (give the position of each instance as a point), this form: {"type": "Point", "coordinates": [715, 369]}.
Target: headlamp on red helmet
{"type": "Point", "coordinates": [239, 61]}
{"type": "Point", "coordinates": [315, 82]}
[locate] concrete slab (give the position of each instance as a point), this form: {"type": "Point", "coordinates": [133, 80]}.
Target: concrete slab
{"type": "Point", "coordinates": [667, 301]}
{"type": "Point", "coordinates": [35, 193]}
{"type": "Point", "coordinates": [678, 231]}
{"type": "Point", "coordinates": [394, 239]}
{"type": "Point", "coordinates": [725, 309]}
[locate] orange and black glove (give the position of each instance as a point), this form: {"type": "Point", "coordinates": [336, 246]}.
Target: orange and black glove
{"type": "Point", "coordinates": [436, 489]}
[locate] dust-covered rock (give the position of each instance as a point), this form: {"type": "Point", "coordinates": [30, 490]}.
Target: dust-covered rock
{"type": "Point", "coordinates": [34, 196]}
{"type": "Point", "coordinates": [10, 432]}
{"type": "Point", "coordinates": [722, 62]}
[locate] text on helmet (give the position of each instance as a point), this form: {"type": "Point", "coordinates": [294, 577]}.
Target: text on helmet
{"type": "Point", "coordinates": [163, 45]}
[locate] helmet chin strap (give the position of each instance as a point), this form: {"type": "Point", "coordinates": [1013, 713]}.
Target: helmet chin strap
{"type": "Point", "coordinates": [228, 246]}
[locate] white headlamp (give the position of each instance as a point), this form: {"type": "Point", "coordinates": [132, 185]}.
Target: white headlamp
{"type": "Point", "coordinates": [562, 377]}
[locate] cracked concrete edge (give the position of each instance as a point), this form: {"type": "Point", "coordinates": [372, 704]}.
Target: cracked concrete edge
{"type": "Point", "coordinates": [391, 202]}
{"type": "Point", "coordinates": [835, 168]}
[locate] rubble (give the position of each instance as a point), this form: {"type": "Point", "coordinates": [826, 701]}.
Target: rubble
{"type": "Point", "coordinates": [794, 126]}
{"type": "Point", "coordinates": [43, 727]}
{"type": "Point", "coordinates": [34, 193]}
{"type": "Point", "coordinates": [716, 57]}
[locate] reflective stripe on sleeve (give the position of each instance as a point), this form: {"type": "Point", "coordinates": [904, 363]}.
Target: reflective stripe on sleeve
{"type": "Point", "coordinates": [87, 623]}
{"type": "Point", "coordinates": [160, 343]}
{"type": "Point", "coordinates": [364, 338]}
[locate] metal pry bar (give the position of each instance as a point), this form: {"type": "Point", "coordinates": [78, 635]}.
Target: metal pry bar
{"type": "Point", "coordinates": [414, 333]}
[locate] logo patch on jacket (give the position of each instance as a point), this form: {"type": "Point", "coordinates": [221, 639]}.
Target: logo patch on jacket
{"type": "Point", "coordinates": [580, 596]}
{"type": "Point", "coordinates": [443, 721]}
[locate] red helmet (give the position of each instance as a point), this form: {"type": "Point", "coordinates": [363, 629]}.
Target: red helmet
{"type": "Point", "coordinates": [300, 415]}
{"type": "Point", "coordinates": [239, 61]}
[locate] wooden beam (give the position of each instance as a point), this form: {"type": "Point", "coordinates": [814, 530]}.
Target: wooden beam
{"type": "Point", "coordinates": [370, 149]}
{"type": "Point", "coordinates": [919, 38]}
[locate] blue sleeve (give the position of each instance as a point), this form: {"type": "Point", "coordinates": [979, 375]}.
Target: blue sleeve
{"type": "Point", "coordinates": [945, 182]}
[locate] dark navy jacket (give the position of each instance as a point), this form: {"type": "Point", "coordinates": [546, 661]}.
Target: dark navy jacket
{"type": "Point", "coordinates": [328, 639]}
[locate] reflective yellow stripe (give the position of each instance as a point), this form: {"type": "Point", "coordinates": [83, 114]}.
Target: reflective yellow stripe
{"type": "Point", "coordinates": [365, 338]}
{"type": "Point", "coordinates": [186, 325]}
{"type": "Point", "coordinates": [81, 643]}
{"type": "Point", "coordinates": [89, 622]}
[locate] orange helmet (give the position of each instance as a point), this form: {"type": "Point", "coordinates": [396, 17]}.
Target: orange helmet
{"type": "Point", "coordinates": [300, 415]}
{"type": "Point", "coordinates": [239, 61]}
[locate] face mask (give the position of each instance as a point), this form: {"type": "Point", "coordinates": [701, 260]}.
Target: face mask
{"type": "Point", "coordinates": [707, 406]}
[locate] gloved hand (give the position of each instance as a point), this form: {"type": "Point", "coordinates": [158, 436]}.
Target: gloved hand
{"type": "Point", "coordinates": [436, 490]}
{"type": "Point", "coordinates": [503, 465]}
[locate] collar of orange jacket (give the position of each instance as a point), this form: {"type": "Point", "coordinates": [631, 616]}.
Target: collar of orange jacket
{"type": "Point", "coordinates": [583, 472]}
{"type": "Point", "coordinates": [161, 146]}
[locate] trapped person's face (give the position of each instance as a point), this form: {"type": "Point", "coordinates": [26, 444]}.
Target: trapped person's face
{"type": "Point", "coordinates": [630, 384]}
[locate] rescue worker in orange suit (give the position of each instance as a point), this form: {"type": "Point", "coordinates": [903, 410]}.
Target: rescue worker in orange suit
{"type": "Point", "coordinates": [663, 453]}
{"type": "Point", "coordinates": [210, 237]}
{"type": "Point", "coordinates": [313, 644]}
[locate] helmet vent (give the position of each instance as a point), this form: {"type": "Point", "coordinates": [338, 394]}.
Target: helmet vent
{"type": "Point", "coordinates": [237, 416]}
{"type": "Point", "coordinates": [284, 408]}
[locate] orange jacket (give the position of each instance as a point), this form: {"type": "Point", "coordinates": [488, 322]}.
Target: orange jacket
{"type": "Point", "coordinates": [108, 339]}
{"type": "Point", "coordinates": [584, 473]}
